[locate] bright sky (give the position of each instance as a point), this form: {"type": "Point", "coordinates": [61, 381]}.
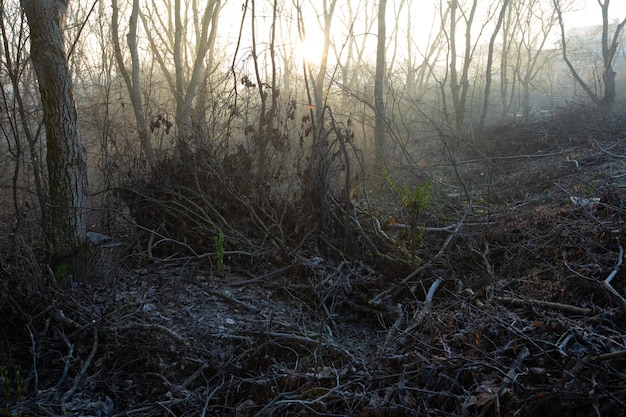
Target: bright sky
{"type": "Point", "coordinates": [423, 15]}
{"type": "Point", "coordinates": [590, 13]}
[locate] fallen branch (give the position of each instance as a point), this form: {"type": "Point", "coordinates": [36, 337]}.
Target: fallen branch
{"type": "Point", "coordinates": [511, 376]}
{"type": "Point", "coordinates": [154, 327]}
{"type": "Point", "coordinates": [607, 282]}
{"type": "Point", "coordinates": [391, 334]}
{"type": "Point", "coordinates": [428, 305]}
{"type": "Point", "coordinates": [586, 361]}
{"type": "Point", "coordinates": [566, 308]}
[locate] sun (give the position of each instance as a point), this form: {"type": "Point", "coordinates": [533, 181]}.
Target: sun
{"type": "Point", "coordinates": [311, 49]}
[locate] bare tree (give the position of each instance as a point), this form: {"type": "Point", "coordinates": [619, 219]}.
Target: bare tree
{"type": "Point", "coordinates": [459, 75]}
{"type": "Point", "coordinates": [188, 40]}
{"type": "Point", "coordinates": [490, 52]}
{"type": "Point", "coordinates": [533, 27]}
{"type": "Point", "coordinates": [379, 86]}
{"type": "Point", "coordinates": [16, 107]}
{"type": "Point", "coordinates": [319, 82]}
{"type": "Point", "coordinates": [316, 180]}
{"type": "Point", "coordinates": [435, 46]}
{"type": "Point", "coordinates": [608, 46]}
{"type": "Point", "coordinates": [355, 58]}
{"type": "Point", "coordinates": [395, 31]}
{"type": "Point", "coordinates": [266, 128]}
{"type": "Point", "coordinates": [131, 78]}
{"type": "Point", "coordinates": [66, 229]}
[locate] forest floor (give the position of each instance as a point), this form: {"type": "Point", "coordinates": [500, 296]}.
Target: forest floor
{"type": "Point", "coordinates": [516, 309]}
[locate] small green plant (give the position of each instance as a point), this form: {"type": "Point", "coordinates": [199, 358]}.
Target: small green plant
{"type": "Point", "coordinates": [415, 200]}
{"type": "Point", "coordinates": [588, 189]}
{"type": "Point", "coordinates": [219, 251]}
{"type": "Point", "coordinates": [63, 271]}
{"type": "Point", "coordinates": [12, 390]}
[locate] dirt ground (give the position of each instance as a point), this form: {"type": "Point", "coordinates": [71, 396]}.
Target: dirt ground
{"type": "Point", "coordinates": [517, 309]}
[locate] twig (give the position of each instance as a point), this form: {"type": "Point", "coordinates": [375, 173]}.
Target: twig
{"type": "Point", "coordinates": [154, 327]}
{"type": "Point", "coordinates": [68, 359]}
{"type": "Point", "coordinates": [83, 370]}
{"type": "Point", "coordinates": [428, 303]}
{"type": "Point", "coordinates": [64, 320]}
{"type": "Point", "coordinates": [590, 359]}
{"type": "Point", "coordinates": [616, 155]}
{"type": "Point", "coordinates": [418, 317]}
{"type": "Point", "coordinates": [192, 378]}
{"type": "Point", "coordinates": [263, 277]}
{"type": "Point", "coordinates": [439, 254]}
{"type": "Point", "coordinates": [549, 304]}
{"type": "Point", "coordinates": [394, 329]}
{"type": "Point", "coordinates": [229, 297]}
{"type": "Point", "coordinates": [490, 270]}
{"type": "Point", "coordinates": [607, 282]}
{"type": "Point", "coordinates": [377, 229]}
{"type": "Point", "coordinates": [616, 269]}
{"type": "Point", "coordinates": [208, 398]}
{"type": "Point", "coordinates": [377, 300]}
{"type": "Point", "coordinates": [512, 374]}
{"type": "Point", "coordinates": [36, 351]}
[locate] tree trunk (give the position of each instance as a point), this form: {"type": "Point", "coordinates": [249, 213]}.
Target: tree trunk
{"type": "Point", "coordinates": [317, 183]}
{"type": "Point", "coordinates": [379, 96]}
{"type": "Point", "coordinates": [609, 48]}
{"type": "Point", "coordinates": [132, 79]}
{"type": "Point", "coordinates": [459, 83]}
{"type": "Point", "coordinates": [320, 79]}
{"type": "Point", "coordinates": [186, 78]}
{"type": "Point", "coordinates": [67, 171]}
{"type": "Point", "coordinates": [488, 75]}
{"type": "Point", "coordinates": [14, 73]}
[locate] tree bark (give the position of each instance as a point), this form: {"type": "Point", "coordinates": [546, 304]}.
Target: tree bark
{"type": "Point", "coordinates": [132, 79]}
{"type": "Point", "coordinates": [379, 83]}
{"type": "Point", "coordinates": [609, 48]}
{"type": "Point", "coordinates": [459, 83]}
{"type": "Point", "coordinates": [66, 160]}
{"type": "Point", "coordinates": [488, 75]}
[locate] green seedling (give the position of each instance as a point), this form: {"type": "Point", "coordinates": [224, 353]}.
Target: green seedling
{"type": "Point", "coordinates": [415, 200]}
{"type": "Point", "coordinates": [12, 390]}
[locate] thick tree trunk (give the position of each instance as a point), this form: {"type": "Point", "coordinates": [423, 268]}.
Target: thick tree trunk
{"type": "Point", "coordinates": [66, 227]}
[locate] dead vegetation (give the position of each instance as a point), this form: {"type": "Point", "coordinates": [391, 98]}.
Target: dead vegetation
{"type": "Point", "coordinates": [516, 308]}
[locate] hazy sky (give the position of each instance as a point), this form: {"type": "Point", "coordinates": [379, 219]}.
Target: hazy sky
{"type": "Point", "coordinates": [423, 16]}
{"type": "Point", "coordinates": [589, 13]}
